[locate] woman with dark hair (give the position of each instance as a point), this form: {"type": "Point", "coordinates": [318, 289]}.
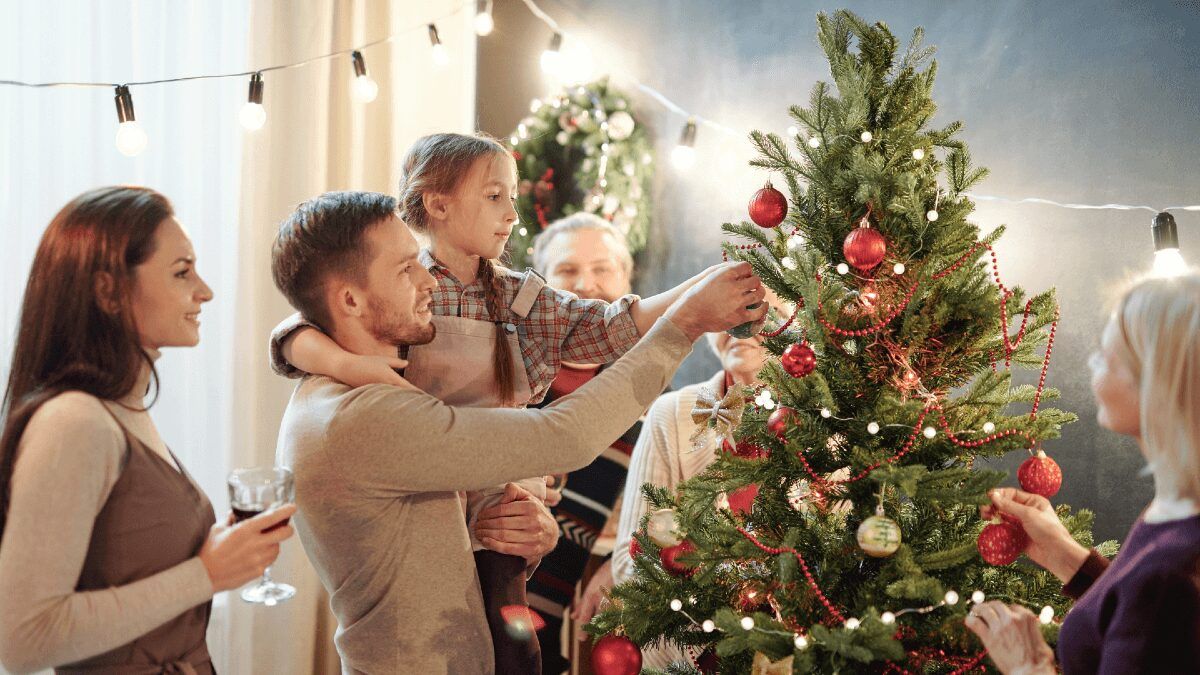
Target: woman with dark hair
{"type": "Point", "coordinates": [110, 554]}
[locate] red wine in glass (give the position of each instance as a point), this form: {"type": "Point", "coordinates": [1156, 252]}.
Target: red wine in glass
{"type": "Point", "coordinates": [254, 491]}
{"type": "Point", "coordinates": [241, 513]}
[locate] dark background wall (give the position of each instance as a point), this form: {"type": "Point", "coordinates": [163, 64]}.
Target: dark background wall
{"type": "Point", "coordinates": [1089, 102]}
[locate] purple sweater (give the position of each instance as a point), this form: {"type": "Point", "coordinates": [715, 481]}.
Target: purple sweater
{"type": "Point", "coordinates": [1142, 613]}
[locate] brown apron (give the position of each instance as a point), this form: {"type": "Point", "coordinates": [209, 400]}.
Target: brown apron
{"type": "Point", "coordinates": [155, 518]}
{"type": "Point", "coordinates": [456, 367]}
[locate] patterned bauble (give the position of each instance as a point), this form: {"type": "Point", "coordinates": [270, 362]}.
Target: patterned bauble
{"type": "Point", "coordinates": [1040, 475]}
{"type": "Point", "coordinates": [798, 359]}
{"type": "Point", "coordinates": [779, 420]}
{"type": "Point", "coordinates": [768, 207]}
{"type": "Point", "coordinates": [669, 557]}
{"type": "Point", "coordinates": [864, 248]}
{"type": "Point", "coordinates": [616, 655]}
{"type": "Point", "coordinates": [661, 528]}
{"type": "Point", "coordinates": [879, 536]}
{"type": "Point", "coordinates": [1002, 542]}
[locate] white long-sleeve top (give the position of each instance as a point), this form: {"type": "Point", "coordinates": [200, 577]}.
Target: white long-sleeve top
{"type": "Point", "coordinates": [663, 456]}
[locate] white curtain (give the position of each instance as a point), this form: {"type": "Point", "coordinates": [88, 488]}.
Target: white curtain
{"type": "Point", "coordinates": [220, 406]}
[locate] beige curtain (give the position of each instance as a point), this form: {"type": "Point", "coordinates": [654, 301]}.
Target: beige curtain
{"type": "Point", "coordinates": [317, 138]}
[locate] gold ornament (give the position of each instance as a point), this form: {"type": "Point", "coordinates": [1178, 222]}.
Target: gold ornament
{"type": "Point", "coordinates": [763, 665]}
{"type": "Point", "coordinates": [716, 417]}
{"type": "Point", "coordinates": [879, 536]}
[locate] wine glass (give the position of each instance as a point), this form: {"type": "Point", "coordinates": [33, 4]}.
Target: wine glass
{"type": "Point", "coordinates": [251, 492]}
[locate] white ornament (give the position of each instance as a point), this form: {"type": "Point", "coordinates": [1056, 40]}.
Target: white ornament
{"type": "Point", "coordinates": [814, 142]}
{"type": "Point", "coordinates": [676, 605]}
{"type": "Point", "coordinates": [977, 597]}
{"type": "Point", "coordinates": [1046, 615]}
{"type": "Point", "coordinates": [620, 125]}
{"type": "Point", "coordinates": [929, 432]}
{"type": "Point", "coordinates": [887, 618]}
{"type": "Point", "coordinates": [932, 215]}
{"type": "Point", "coordinates": [795, 241]}
{"type": "Point", "coordinates": [866, 137]}
{"type": "Point", "coordinates": [988, 427]}
{"type": "Point", "coordinates": [919, 153]}
{"type": "Point", "coordinates": [708, 626]}
{"type": "Point", "coordinates": [747, 623]}
{"type": "Point", "coordinates": [873, 428]}
{"type": "Point", "coordinates": [899, 268]}
{"type": "Point", "coordinates": [878, 536]}
{"type": "Point", "coordinates": [951, 598]}
{"type": "Point", "coordinates": [852, 623]}
{"type": "Point", "coordinates": [661, 528]}
{"type": "Point", "coordinates": [801, 642]}
{"type": "Point", "coordinates": [843, 268]}
{"type": "Point", "coordinates": [826, 413]}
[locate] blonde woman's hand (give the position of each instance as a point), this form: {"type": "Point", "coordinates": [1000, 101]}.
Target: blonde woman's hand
{"type": "Point", "coordinates": [236, 554]}
{"type": "Point", "coordinates": [358, 370]}
{"type": "Point", "coordinates": [589, 601]}
{"type": "Point", "coordinates": [1013, 638]}
{"type": "Point", "coordinates": [1050, 544]}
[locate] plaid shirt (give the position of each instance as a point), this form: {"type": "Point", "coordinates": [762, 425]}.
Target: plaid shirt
{"type": "Point", "coordinates": [560, 326]}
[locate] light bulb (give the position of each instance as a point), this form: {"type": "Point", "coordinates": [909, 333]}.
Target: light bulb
{"type": "Point", "coordinates": [1169, 262]}
{"type": "Point", "coordinates": [873, 428]}
{"type": "Point", "coordinates": [793, 131]}
{"type": "Point", "coordinates": [919, 153]}
{"type": "Point", "coordinates": [708, 626]}
{"type": "Point", "coordinates": [977, 597]}
{"type": "Point", "coordinates": [887, 618]}
{"type": "Point", "coordinates": [988, 427]}
{"type": "Point", "coordinates": [484, 23]}
{"type": "Point", "coordinates": [676, 605]}
{"type": "Point", "coordinates": [932, 215]}
{"type": "Point", "coordinates": [747, 623]}
{"type": "Point", "coordinates": [826, 413]}
{"type": "Point", "coordinates": [131, 138]}
{"type": "Point", "coordinates": [898, 268]}
{"type": "Point", "coordinates": [252, 116]}
{"type": "Point", "coordinates": [577, 63]}
{"type": "Point", "coordinates": [684, 154]}
{"type": "Point", "coordinates": [535, 105]}
{"type": "Point", "coordinates": [929, 432]}
{"type": "Point", "coordinates": [440, 56]}
{"type": "Point", "coordinates": [801, 642]}
{"type": "Point", "coordinates": [365, 89]}
{"type": "Point", "coordinates": [552, 58]}
{"type": "Point", "coordinates": [866, 137]}
{"type": "Point", "coordinates": [1046, 615]}
{"type": "Point", "coordinates": [852, 623]}
{"type": "Point", "coordinates": [814, 142]}
{"type": "Point", "coordinates": [951, 597]}
{"type": "Point", "coordinates": [788, 263]}
{"type": "Point", "coordinates": [843, 268]}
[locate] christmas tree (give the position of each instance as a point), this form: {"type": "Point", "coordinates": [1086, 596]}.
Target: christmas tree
{"type": "Point", "coordinates": [864, 548]}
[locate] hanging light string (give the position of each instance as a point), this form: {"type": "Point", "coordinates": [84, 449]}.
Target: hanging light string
{"type": "Point", "coordinates": [247, 73]}
{"type": "Point", "coordinates": [667, 103]}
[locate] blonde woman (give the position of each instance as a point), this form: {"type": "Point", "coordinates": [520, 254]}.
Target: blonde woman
{"type": "Point", "coordinates": [1141, 612]}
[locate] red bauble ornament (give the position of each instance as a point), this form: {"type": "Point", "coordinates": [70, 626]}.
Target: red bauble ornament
{"type": "Point", "coordinates": [1040, 475]}
{"type": "Point", "coordinates": [708, 662]}
{"type": "Point", "coordinates": [635, 549]}
{"type": "Point", "coordinates": [1002, 542]}
{"type": "Point", "coordinates": [744, 449]}
{"type": "Point", "coordinates": [669, 555]}
{"type": "Point", "coordinates": [741, 500]}
{"type": "Point", "coordinates": [768, 207]}
{"type": "Point", "coordinates": [616, 655]}
{"type": "Point", "coordinates": [778, 421]}
{"type": "Point", "coordinates": [799, 359]}
{"type": "Point", "coordinates": [864, 248]}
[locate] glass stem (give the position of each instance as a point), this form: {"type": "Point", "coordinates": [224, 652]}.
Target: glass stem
{"type": "Point", "coordinates": [266, 578]}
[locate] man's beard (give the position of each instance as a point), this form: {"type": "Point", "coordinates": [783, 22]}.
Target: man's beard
{"type": "Point", "coordinates": [387, 326]}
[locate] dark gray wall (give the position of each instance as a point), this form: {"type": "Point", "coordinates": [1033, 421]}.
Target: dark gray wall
{"type": "Point", "coordinates": [1087, 102]}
